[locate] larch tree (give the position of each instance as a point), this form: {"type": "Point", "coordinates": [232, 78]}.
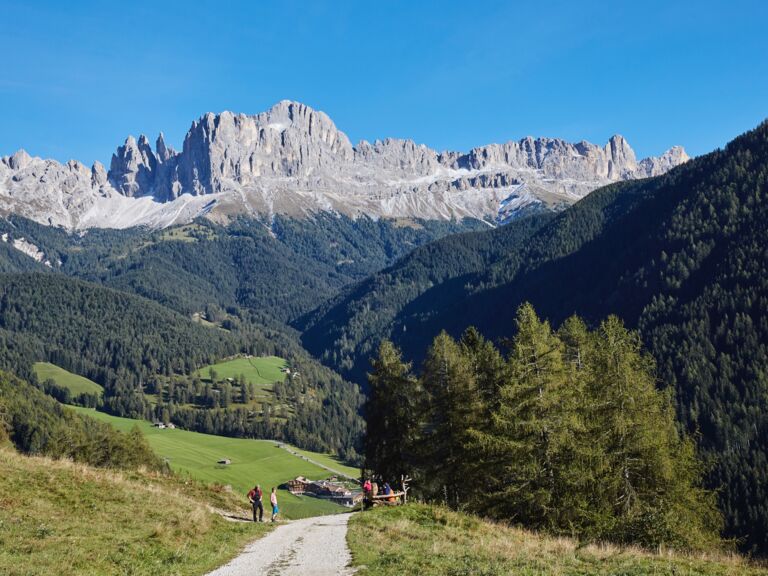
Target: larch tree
{"type": "Point", "coordinates": [391, 415]}
{"type": "Point", "coordinates": [453, 407]}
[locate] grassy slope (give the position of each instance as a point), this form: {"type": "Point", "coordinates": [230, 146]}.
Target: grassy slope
{"type": "Point", "coordinates": [261, 371]}
{"type": "Point", "coordinates": [68, 519]}
{"type": "Point", "coordinates": [329, 461]}
{"type": "Point", "coordinates": [253, 461]}
{"type": "Point", "coordinates": [186, 233]}
{"type": "Point", "coordinates": [76, 384]}
{"type": "Point", "coordinates": [424, 540]}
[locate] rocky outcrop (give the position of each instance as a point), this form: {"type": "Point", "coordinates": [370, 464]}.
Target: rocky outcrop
{"type": "Point", "coordinates": [655, 166]}
{"type": "Point", "coordinates": [132, 171]}
{"type": "Point", "coordinates": [293, 160]}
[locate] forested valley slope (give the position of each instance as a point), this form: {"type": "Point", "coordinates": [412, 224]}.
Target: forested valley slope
{"type": "Point", "coordinates": [682, 257]}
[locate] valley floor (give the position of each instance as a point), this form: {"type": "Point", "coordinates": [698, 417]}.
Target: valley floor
{"type": "Point", "coordinates": [251, 461]}
{"type": "Point", "coordinates": [427, 541]}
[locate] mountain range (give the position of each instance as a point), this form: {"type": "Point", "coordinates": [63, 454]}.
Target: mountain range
{"type": "Point", "coordinates": [293, 161]}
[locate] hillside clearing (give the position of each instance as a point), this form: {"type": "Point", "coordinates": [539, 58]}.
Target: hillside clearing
{"type": "Point", "coordinates": [252, 461]}
{"type": "Point", "coordinates": [427, 540]}
{"type": "Point", "coordinates": [261, 371]}
{"type": "Point", "coordinates": [65, 379]}
{"type": "Point", "coordinates": [68, 519]}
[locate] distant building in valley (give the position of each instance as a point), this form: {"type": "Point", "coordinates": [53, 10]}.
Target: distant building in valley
{"type": "Point", "coordinates": [325, 489]}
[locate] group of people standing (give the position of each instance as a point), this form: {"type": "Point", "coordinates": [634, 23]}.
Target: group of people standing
{"type": "Point", "coordinates": [255, 496]}
{"type": "Point", "coordinates": [371, 489]}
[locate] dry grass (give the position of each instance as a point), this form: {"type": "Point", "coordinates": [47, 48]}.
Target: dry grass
{"type": "Point", "coordinates": [427, 540]}
{"type": "Point", "coordinates": [59, 517]}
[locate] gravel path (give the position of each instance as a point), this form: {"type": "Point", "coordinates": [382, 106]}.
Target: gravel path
{"type": "Point", "coordinates": [310, 547]}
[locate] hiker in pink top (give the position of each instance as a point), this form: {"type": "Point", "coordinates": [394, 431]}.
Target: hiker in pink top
{"type": "Point", "coordinates": [273, 501]}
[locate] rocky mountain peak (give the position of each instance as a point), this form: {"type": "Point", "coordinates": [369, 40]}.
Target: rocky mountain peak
{"type": "Point", "coordinates": [98, 175]}
{"type": "Point", "coordinates": [621, 158]}
{"type": "Point", "coordinates": [132, 167]}
{"type": "Point", "coordinates": [19, 160]}
{"type": "Point", "coordinates": [293, 160]}
{"type": "Point", "coordinates": [162, 151]}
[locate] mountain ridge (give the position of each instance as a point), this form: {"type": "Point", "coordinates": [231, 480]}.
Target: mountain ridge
{"type": "Point", "coordinates": [293, 160]}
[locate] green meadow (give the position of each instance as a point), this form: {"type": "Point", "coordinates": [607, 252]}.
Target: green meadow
{"type": "Point", "coordinates": [434, 541]}
{"type": "Point", "coordinates": [261, 371]}
{"type": "Point", "coordinates": [252, 461]}
{"type": "Point", "coordinates": [187, 233]}
{"type": "Point", "coordinates": [76, 384]}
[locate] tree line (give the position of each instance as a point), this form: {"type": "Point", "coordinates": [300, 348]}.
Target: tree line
{"type": "Point", "coordinates": [38, 425]}
{"type": "Point", "coordinates": [566, 433]}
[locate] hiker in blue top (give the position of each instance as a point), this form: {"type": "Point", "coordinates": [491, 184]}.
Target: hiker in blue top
{"type": "Point", "coordinates": [273, 501]}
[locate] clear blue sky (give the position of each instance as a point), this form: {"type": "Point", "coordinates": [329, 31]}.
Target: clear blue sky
{"type": "Point", "coordinates": [78, 77]}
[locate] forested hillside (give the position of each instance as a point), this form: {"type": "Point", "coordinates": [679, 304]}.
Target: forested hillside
{"type": "Point", "coordinates": [38, 425]}
{"type": "Point", "coordinates": [127, 344]}
{"type": "Point", "coordinates": [279, 271]}
{"type": "Point", "coordinates": [346, 330]}
{"type": "Point", "coordinates": [682, 257]}
{"type": "Point", "coordinates": [247, 278]}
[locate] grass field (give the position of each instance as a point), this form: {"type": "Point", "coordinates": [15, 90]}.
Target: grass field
{"type": "Point", "coordinates": [253, 461]}
{"type": "Point", "coordinates": [329, 461]}
{"type": "Point", "coordinates": [261, 371]}
{"type": "Point", "coordinates": [432, 541]}
{"type": "Point", "coordinates": [67, 519]}
{"type": "Point", "coordinates": [76, 384]}
{"type": "Point", "coordinates": [187, 233]}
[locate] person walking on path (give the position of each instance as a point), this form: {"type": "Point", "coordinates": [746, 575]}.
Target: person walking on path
{"type": "Point", "coordinates": [254, 497]}
{"type": "Point", "coordinates": [273, 501]}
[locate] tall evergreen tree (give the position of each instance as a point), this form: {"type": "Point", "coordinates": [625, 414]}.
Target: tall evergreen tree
{"type": "Point", "coordinates": [530, 437]}
{"type": "Point", "coordinates": [650, 479]}
{"type": "Point", "coordinates": [391, 415]}
{"type": "Point", "coordinates": [453, 407]}
{"type": "Point", "coordinates": [487, 365]}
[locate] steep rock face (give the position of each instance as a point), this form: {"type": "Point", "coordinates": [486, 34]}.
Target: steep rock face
{"type": "Point", "coordinates": [656, 166]}
{"type": "Point", "coordinates": [226, 150]}
{"type": "Point", "coordinates": [132, 169]}
{"type": "Point", "coordinates": [293, 160]}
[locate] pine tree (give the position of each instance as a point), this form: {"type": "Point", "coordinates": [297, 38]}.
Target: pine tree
{"type": "Point", "coordinates": [650, 480]}
{"type": "Point", "coordinates": [391, 415]}
{"type": "Point", "coordinates": [487, 365]}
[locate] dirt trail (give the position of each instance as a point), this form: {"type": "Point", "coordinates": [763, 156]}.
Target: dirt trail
{"type": "Point", "coordinates": [309, 547]}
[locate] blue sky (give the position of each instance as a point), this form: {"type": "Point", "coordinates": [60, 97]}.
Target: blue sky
{"type": "Point", "coordinates": [77, 77]}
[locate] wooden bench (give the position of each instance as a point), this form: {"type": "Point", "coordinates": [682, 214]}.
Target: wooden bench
{"type": "Point", "coordinates": [393, 499]}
